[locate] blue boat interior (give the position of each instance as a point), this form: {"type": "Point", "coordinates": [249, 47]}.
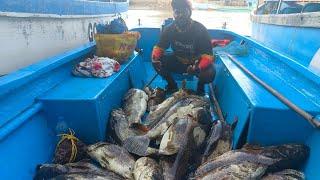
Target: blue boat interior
{"type": "Point", "coordinates": [43, 100]}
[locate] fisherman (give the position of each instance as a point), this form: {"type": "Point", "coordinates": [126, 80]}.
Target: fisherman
{"type": "Point", "coordinates": [191, 45]}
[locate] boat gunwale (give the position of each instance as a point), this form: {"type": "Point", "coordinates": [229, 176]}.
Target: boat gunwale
{"type": "Point", "coordinates": [303, 20]}
{"type": "Point", "coordinates": [63, 7]}
{"type": "Point", "coordinates": [52, 16]}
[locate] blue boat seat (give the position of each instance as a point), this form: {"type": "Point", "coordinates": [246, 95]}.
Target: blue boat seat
{"type": "Point", "coordinates": [84, 104]}
{"type": "Point", "coordinates": [311, 7]}
{"type": "Point", "coordinates": [262, 118]}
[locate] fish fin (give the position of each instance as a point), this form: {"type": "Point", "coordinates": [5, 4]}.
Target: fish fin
{"type": "Point", "coordinates": [140, 127]}
{"type": "Point", "coordinates": [137, 145]}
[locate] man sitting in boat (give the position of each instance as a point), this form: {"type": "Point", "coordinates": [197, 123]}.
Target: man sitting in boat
{"type": "Point", "coordinates": [191, 45]}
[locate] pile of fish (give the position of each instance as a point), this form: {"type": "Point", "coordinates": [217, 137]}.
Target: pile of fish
{"type": "Point", "coordinates": [153, 138]}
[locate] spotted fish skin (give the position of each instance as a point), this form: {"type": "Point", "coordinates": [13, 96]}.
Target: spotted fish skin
{"type": "Point", "coordinates": [166, 163]}
{"type": "Point", "coordinates": [119, 127]}
{"type": "Point", "coordinates": [156, 96]}
{"type": "Point", "coordinates": [180, 109]}
{"type": "Point", "coordinates": [113, 157]}
{"type": "Point", "coordinates": [287, 174]}
{"type": "Point", "coordinates": [135, 105]}
{"type": "Point", "coordinates": [233, 157]}
{"type": "Point", "coordinates": [288, 155]}
{"type": "Point", "coordinates": [244, 170]}
{"type": "Point", "coordinates": [169, 106]}
{"type": "Point", "coordinates": [219, 141]}
{"type": "Point", "coordinates": [139, 144]}
{"type": "Point", "coordinates": [173, 137]}
{"type": "Point", "coordinates": [146, 168]}
{"type": "Point", "coordinates": [82, 168]}
{"type": "Point", "coordinates": [182, 160]}
{"type": "Point", "coordinates": [81, 176]}
{"type": "Point", "coordinates": [252, 162]}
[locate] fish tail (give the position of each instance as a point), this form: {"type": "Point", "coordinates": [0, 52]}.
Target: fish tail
{"type": "Point", "coordinates": [137, 145]}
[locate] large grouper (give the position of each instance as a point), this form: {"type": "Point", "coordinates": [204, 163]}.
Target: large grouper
{"type": "Point", "coordinates": [253, 162]}
{"type": "Point", "coordinates": [113, 157]}
{"type": "Point", "coordinates": [139, 145]}
{"type": "Point", "coordinates": [84, 169]}
{"type": "Point", "coordinates": [135, 105]}
{"type": "Point", "coordinates": [169, 106]}
{"type": "Point", "coordinates": [119, 128]}
{"type": "Point", "coordinates": [233, 164]}
{"type": "Point", "coordinates": [219, 140]}
{"type": "Point", "coordinates": [287, 174]}
{"type": "Point", "coordinates": [173, 137]}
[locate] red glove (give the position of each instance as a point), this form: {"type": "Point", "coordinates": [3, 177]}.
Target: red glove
{"type": "Point", "coordinates": [205, 61]}
{"type": "Point", "coordinates": [157, 53]}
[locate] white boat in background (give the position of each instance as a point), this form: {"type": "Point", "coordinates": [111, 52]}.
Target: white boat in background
{"type": "Point", "coordinates": [36, 29]}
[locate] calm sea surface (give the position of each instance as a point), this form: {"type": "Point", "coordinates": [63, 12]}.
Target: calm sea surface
{"type": "Point", "coordinates": [238, 22]}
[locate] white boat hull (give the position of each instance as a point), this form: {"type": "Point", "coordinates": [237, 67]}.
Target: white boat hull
{"type": "Point", "coordinates": [28, 39]}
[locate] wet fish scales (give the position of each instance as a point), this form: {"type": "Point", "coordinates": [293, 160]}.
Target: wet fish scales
{"type": "Point", "coordinates": [135, 105]}
{"type": "Point", "coordinates": [48, 171]}
{"type": "Point", "coordinates": [179, 168]}
{"type": "Point", "coordinates": [113, 158]}
{"type": "Point", "coordinates": [173, 137]}
{"type": "Point", "coordinates": [233, 157]}
{"type": "Point", "coordinates": [219, 141]}
{"type": "Point", "coordinates": [182, 108]}
{"type": "Point", "coordinates": [168, 107]}
{"type": "Point", "coordinates": [244, 170]}
{"type": "Point", "coordinates": [139, 144]}
{"type": "Point", "coordinates": [288, 155]}
{"type": "Point", "coordinates": [156, 96]}
{"type": "Point", "coordinates": [83, 176]}
{"type": "Point", "coordinates": [287, 174]}
{"type": "Point", "coordinates": [166, 163]}
{"type": "Point", "coordinates": [214, 136]}
{"type": "Point", "coordinates": [120, 128]}
{"type": "Point", "coordinates": [147, 169]}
